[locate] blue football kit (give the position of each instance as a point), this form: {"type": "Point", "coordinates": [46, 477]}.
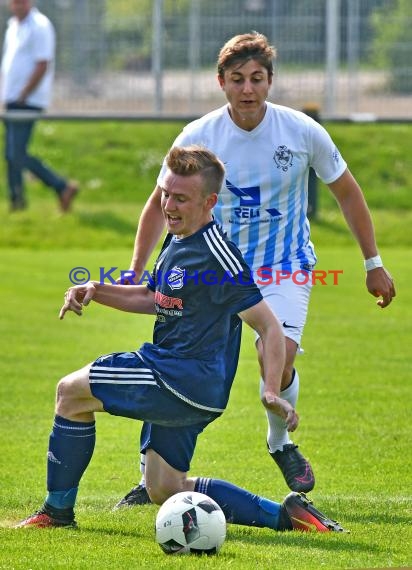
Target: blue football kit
{"type": "Point", "coordinates": [183, 378]}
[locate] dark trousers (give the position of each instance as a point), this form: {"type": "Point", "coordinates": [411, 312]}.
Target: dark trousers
{"type": "Point", "coordinates": [17, 134]}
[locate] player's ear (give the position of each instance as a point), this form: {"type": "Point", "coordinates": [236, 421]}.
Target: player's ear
{"type": "Point", "coordinates": [221, 81]}
{"type": "Point", "coordinates": [211, 201]}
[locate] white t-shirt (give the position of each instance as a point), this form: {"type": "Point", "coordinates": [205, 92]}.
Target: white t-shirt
{"type": "Point", "coordinates": [263, 201]}
{"type": "Point", "coordinates": [25, 44]}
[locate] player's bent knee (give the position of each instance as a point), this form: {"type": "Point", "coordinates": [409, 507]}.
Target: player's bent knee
{"type": "Point", "coordinates": [64, 398]}
{"type": "Point", "coordinates": [159, 494]}
{"type": "Point", "coordinates": [72, 393]}
{"type": "Point", "coordinates": [160, 491]}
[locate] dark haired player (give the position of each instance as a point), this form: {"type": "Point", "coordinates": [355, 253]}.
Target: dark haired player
{"type": "Point", "coordinates": [267, 150]}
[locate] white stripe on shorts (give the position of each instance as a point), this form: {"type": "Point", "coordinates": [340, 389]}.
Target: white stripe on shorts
{"type": "Point", "coordinates": [110, 375]}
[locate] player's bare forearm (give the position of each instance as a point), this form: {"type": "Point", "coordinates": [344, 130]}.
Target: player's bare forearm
{"type": "Point", "coordinates": [264, 322]}
{"type": "Point", "coordinates": [149, 231]}
{"type": "Point", "coordinates": [134, 299]}
{"type": "Point", "coordinates": [356, 212]}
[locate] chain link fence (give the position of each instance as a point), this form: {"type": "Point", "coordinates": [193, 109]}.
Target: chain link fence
{"type": "Point", "coordinates": [156, 58]}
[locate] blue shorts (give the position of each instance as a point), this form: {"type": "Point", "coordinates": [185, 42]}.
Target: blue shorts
{"type": "Point", "coordinates": [175, 445]}
{"type": "Point", "coordinates": [128, 388]}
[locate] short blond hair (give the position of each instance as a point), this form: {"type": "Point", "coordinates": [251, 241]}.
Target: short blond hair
{"type": "Point", "coordinates": [244, 47]}
{"type": "Point", "coordinates": [197, 159]}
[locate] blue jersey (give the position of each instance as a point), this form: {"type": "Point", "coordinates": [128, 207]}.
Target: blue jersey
{"type": "Point", "coordinates": [200, 283]}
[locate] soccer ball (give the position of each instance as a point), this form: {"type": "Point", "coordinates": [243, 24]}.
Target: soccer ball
{"type": "Point", "coordinates": [190, 522]}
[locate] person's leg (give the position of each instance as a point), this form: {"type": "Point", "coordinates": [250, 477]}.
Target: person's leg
{"type": "Point", "coordinates": [138, 494]}
{"type": "Point", "coordinates": [289, 302]}
{"type": "Point", "coordinates": [66, 190]}
{"type": "Point", "coordinates": [120, 384]}
{"type": "Point", "coordinates": [71, 446]}
{"type": "Point", "coordinates": [45, 174]}
{"type": "Point", "coordinates": [242, 507]}
{"type": "Point", "coordinates": [164, 480]}
{"type": "Point", "coordinates": [17, 135]}
{"type": "Point", "coordinates": [277, 435]}
{"type": "Point", "coordinates": [238, 505]}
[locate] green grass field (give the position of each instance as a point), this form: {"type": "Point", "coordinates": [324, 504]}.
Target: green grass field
{"type": "Point", "coordinates": [355, 374]}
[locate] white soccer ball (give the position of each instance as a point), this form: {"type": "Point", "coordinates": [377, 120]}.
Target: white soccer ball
{"type": "Point", "coordinates": [190, 522]}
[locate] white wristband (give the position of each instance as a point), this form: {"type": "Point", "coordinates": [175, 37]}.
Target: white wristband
{"type": "Point", "coordinates": [373, 263]}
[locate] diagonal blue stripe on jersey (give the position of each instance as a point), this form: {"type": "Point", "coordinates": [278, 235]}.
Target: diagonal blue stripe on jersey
{"type": "Point", "coordinates": [222, 253]}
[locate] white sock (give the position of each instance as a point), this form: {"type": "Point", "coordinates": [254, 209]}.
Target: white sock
{"type": "Point", "coordinates": [278, 435]}
{"type": "Point", "coordinates": [142, 468]}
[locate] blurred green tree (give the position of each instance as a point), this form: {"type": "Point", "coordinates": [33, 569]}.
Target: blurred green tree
{"type": "Point", "coordinates": [392, 47]}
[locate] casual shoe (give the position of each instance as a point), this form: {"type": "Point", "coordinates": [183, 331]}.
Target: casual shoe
{"type": "Point", "coordinates": [18, 204]}
{"type": "Point", "coordinates": [43, 519]}
{"type": "Point", "coordinates": [137, 496]}
{"type": "Point", "coordinates": [68, 195]}
{"type": "Point", "coordinates": [295, 468]}
{"type": "Point", "coordinates": [304, 516]}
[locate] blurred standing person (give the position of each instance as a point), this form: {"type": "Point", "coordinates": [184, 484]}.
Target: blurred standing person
{"type": "Point", "coordinates": [27, 69]}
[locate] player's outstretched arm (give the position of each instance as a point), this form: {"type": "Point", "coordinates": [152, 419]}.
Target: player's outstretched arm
{"type": "Point", "coordinates": [356, 212]}
{"type": "Point", "coordinates": [264, 322]}
{"type": "Point", "coordinates": [133, 299]}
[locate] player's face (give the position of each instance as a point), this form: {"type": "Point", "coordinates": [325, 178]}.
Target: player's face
{"type": "Point", "coordinates": [20, 8]}
{"type": "Point", "coordinates": [246, 87]}
{"type": "Point", "coordinates": [184, 205]}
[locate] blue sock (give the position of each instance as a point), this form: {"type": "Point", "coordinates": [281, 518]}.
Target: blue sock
{"type": "Point", "coordinates": [240, 506]}
{"type": "Point", "coordinates": [71, 446]}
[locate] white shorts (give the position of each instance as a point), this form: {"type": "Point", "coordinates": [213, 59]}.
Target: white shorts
{"type": "Point", "coordinates": [289, 301]}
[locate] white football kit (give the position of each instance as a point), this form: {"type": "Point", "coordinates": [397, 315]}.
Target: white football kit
{"type": "Point", "coordinates": [263, 202]}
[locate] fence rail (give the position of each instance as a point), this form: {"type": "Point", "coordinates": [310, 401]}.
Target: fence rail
{"type": "Point", "coordinates": [156, 59]}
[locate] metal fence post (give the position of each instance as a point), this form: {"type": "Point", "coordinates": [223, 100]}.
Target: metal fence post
{"type": "Point", "coordinates": [194, 49]}
{"type": "Point", "coordinates": [332, 52]}
{"type": "Point", "coordinates": [157, 65]}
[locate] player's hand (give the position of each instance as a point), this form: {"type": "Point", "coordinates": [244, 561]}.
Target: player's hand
{"type": "Point", "coordinates": [76, 298]}
{"type": "Point", "coordinates": [380, 284]}
{"type": "Point", "coordinates": [281, 408]}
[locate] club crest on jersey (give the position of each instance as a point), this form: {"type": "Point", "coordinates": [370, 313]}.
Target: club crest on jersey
{"type": "Point", "coordinates": [283, 157]}
{"type": "Point", "coordinates": [175, 277]}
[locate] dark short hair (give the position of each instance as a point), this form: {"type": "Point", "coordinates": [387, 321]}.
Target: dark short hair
{"type": "Point", "coordinates": [197, 159]}
{"type": "Point", "coordinates": [244, 47]}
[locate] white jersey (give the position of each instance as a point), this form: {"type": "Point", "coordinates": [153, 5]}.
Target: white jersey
{"type": "Point", "coordinates": [263, 202]}
{"type": "Point", "coordinates": [25, 44]}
